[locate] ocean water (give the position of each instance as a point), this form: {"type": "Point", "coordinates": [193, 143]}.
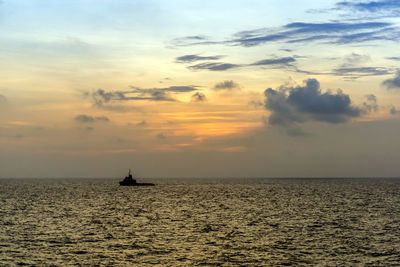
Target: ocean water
{"type": "Point", "coordinates": [200, 222]}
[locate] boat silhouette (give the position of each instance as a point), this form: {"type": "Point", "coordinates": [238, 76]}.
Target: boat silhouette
{"type": "Point", "coordinates": [129, 181]}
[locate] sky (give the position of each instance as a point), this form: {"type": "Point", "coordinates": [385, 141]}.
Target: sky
{"type": "Point", "coordinates": [245, 88]}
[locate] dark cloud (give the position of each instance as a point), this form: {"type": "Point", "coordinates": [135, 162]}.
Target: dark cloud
{"type": "Point", "coordinates": [191, 40]}
{"type": "Point", "coordinates": [192, 58]}
{"type": "Point", "coordinates": [176, 89]}
{"type": "Point", "coordinates": [390, 7]}
{"type": "Point", "coordinates": [394, 58]}
{"type": "Point", "coordinates": [88, 119]}
{"type": "Point", "coordinates": [102, 118]}
{"type": "Point", "coordinates": [360, 71]}
{"type": "Point", "coordinates": [226, 85]}
{"type": "Point", "coordinates": [350, 69]}
{"type": "Point", "coordinates": [153, 94]}
{"type": "Point", "coordinates": [291, 106]}
{"type": "Point", "coordinates": [219, 66]}
{"type": "Point", "coordinates": [213, 66]}
{"type": "Point", "coordinates": [393, 83]}
{"type": "Point", "coordinates": [277, 61]}
{"type": "Point", "coordinates": [84, 118]}
{"type": "Point", "coordinates": [157, 94]}
{"type": "Point", "coordinates": [333, 32]}
{"type": "Point", "coordinates": [301, 32]}
{"type": "Point", "coordinates": [100, 96]}
{"type": "Point", "coordinates": [198, 97]}
{"type": "Point", "coordinates": [195, 37]}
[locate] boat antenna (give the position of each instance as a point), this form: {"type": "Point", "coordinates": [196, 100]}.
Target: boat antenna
{"type": "Point", "coordinates": [129, 171]}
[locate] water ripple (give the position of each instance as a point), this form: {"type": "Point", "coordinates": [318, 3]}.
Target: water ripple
{"type": "Point", "coordinates": [228, 222]}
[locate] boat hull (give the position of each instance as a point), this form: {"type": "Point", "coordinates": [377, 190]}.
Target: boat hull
{"type": "Point", "coordinates": [136, 184]}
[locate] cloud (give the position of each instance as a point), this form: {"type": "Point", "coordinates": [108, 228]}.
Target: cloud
{"type": "Point", "coordinates": [102, 118]}
{"type": "Point", "coordinates": [355, 59]}
{"type": "Point", "coordinates": [191, 40]}
{"type": "Point", "coordinates": [193, 58]}
{"type": "Point", "coordinates": [101, 97]}
{"type": "Point", "coordinates": [394, 58]}
{"type": "Point", "coordinates": [360, 71]}
{"type": "Point", "coordinates": [221, 66]}
{"type": "Point", "coordinates": [291, 106]}
{"type": "Point", "coordinates": [332, 32]}
{"type": "Point", "coordinates": [393, 83]}
{"type": "Point", "coordinates": [198, 97]}
{"type": "Point", "coordinates": [195, 37]}
{"type": "Point", "coordinates": [352, 32]}
{"type": "Point", "coordinates": [388, 7]}
{"type": "Point", "coordinates": [371, 104]}
{"type": "Point", "coordinates": [176, 89]}
{"type": "Point", "coordinates": [88, 119]}
{"type": "Point", "coordinates": [213, 66]}
{"type": "Point", "coordinates": [226, 85]}
{"type": "Point", "coordinates": [277, 61]}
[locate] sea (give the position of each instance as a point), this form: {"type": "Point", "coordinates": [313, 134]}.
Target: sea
{"type": "Point", "coordinates": [200, 222]}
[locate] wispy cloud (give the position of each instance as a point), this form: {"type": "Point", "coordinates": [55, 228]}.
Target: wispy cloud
{"type": "Point", "coordinates": [214, 66]}
{"type": "Point", "coordinates": [393, 83]}
{"type": "Point", "coordinates": [198, 97]}
{"type": "Point", "coordinates": [277, 62]}
{"type": "Point", "coordinates": [388, 7]}
{"type": "Point", "coordinates": [394, 58]}
{"type": "Point", "coordinates": [191, 40]}
{"type": "Point", "coordinates": [331, 32]}
{"type": "Point", "coordinates": [101, 96]}
{"type": "Point", "coordinates": [302, 32]}
{"type": "Point", "coordinates": [361, 71]}
{"type": "Point", "coordinates": [370, 104]}
{"type": "Point", "coordinates": [226, 85]}
{"type": "Point", "coordinates": [355, 59]}
{"type": "Point", "coordinates": [291, 106]}
{"type": "Point", "coordinates": [193, 58]}
{"type": "Point", "coordinates": [88, 119]}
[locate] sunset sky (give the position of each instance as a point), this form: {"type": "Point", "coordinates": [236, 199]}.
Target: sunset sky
{"type": "Point", "coordinates": [251, 88]}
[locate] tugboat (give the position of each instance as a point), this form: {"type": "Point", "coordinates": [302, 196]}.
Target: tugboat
{"type": "Point", "coordinates": [129, 181]}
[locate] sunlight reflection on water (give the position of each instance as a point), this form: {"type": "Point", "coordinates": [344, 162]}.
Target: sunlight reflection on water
{"type": "Point", "coordinates": [200, 222]}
